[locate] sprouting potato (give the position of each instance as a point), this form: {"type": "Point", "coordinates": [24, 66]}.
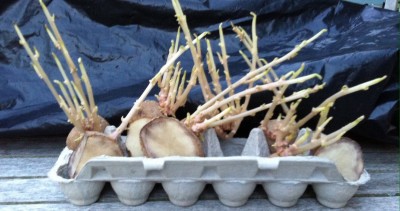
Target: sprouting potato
{"type": "Point", "coordinates": [74, 138]}
{"type": "Point", "coordinates": [347, 156]}
{"type": "Point", "coordinates": [278, 132]}
{"type": "Point", "coordinates": [148, 109]}
{"type": "Point", "coordinates": [93, 144]}
{"type": "Point", "coordinates": [76, 135]}
{"type": "Point", "coordinates": [153, 135]}
{"type": "Point", "coordinates": [166, 136]}
{"type": "Point", "coordinates": [133, 137]}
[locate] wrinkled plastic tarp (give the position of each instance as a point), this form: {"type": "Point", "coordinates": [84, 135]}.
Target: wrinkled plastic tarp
{"type": "Point", "coordinates": [124, 43]}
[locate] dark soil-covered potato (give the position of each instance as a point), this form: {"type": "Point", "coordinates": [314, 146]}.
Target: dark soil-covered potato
{"type": "Point", "coordinates": [347, 156]}
{"type": "Point", "coordinates": [166, 136]}
{"type": "Point", "coordinates": [93, 144]}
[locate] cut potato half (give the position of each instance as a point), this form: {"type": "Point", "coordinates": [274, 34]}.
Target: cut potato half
{"type": "Point", "coordinates": [347, 156]}
{"type": "Point", "coordinates": [92, 145]}
{"type": "Point", "coordinates": [133, 137]}
{"type": "Point", "coordinates": [166, 136]}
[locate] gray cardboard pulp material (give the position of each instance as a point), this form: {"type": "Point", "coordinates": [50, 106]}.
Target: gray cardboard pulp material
{"type": "Point", "coordinates": [234, 168]}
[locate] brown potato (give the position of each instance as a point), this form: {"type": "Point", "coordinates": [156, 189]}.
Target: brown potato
{"type": "Point", "coordinates": [347, 156]}
{"type": "Point", "coordinates": [274, 132]}
{"type": "Point", "coordinates": [75, 136]}
{"type": "Point", "coordinates": [102, 126]}
{"type": "Point", "coordinates": [93, 144]}
{"type": "Point", "coordinates": [166, 136]}
{"type": "Point", "coordinates": [133, 137]}
{"type": "Point", "coordinates": [148, 109]}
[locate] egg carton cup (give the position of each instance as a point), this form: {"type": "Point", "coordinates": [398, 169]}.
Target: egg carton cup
{"type": "Point", "coordinates": [233, 167]}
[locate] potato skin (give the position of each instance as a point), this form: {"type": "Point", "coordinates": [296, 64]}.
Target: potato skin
{"type": "Point", "coordinates": [149, 109]}
{"type": "Point", "coordinates": [273, 131]}
{"type": "Point", "coordinates": [76, 134]}
{"type": "Point", "coordinates": [74, 138]}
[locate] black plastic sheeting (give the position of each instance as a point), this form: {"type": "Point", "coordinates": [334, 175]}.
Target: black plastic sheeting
{"type": "Point", "coordinates": [124, 43]}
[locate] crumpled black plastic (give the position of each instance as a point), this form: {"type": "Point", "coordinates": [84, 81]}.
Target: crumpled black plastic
{"type": "Point", "coordinates": [124, 43]}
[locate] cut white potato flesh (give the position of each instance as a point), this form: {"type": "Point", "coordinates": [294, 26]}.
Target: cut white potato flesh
{"type": "Point", "coordinates": [133, 137]}
{"type": "Point", "coordinates": [93, 144]}
{"type": "Point", "coordinates": [347, 156]}
{"type": "Point", "coordinates": [166, 136]}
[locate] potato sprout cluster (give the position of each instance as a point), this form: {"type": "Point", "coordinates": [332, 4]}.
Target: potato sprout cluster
{"type": "Point", "coordinates": [223, 110]}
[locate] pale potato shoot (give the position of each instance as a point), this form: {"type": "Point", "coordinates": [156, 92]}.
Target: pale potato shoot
{"type": "Point", "coordinates": [166, 136]}
{"type": "Point", "coordinates": [347, 156]}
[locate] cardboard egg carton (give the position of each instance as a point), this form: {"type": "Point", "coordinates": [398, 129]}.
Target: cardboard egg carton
{"type": "Point", "coordinates": [233, 167]}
